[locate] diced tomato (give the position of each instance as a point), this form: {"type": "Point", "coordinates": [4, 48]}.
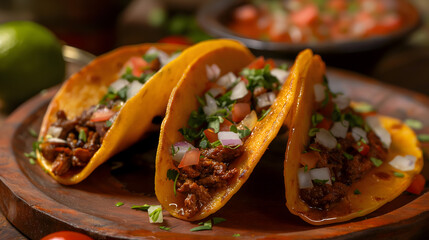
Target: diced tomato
{"type": "Point", "coordinates": [137, 65]}
{"type": "Point", "coordinates": [257, 63]}
{"type": "Point", "coordinates": [362, 148]}
{"type": "Point", "coordinates": [246, 13]}
{"type": "Point", "coordinates": [102, 115]}
{"type": "Point", "coordinates": [327, 110]}
{"type": "Point", "coordinates": [338, 5]}
{"type": "Point", "coordinates": [305, 16]}
{"type": "Point", "coordinates": [325, 123]}
{"type": "Point", "coordinates": [388, 24]}
{"type": "Point", "coordinates": [310, 159]}
{"type": "Point", "coordinates": [240, 111]}
{"type": "Point", "coordinates": [417, 185]}
{"type": "Point", "coordinates": [191, 157]}
{"type": "Point", "coordinates": [211, 135]}
{"type": "Point", "coordinates": [176, 40]}
{"type": "Point", "coordinates": [226, 125]}
{"type": "Point", "coordinates": [270, 62]}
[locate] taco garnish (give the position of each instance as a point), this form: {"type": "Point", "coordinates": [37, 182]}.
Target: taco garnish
{"type": "Point", "coordinates": [341, 164]}
{"type": "Point", "coordinates": [108, 106]}
{"type": "Point", "coordinates": [220, 119]}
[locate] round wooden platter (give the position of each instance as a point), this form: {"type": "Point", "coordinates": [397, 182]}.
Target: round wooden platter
{"type": "Point", "coordinates": [37, 205]}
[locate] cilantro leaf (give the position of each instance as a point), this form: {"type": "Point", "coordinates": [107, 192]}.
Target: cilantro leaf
{"type": "Point", "coordinates": [264, 114]}
{"type": "Point", "coordinates": [377, 162]}
{"type": "Point", "coordinates": [260, 78]}
{"type": "Point", "coordinates": [357, 192]}
{"type": "Point", "coordinates": [316, 118]}
{"type": "Point", "coordinates": [217, 220]}
{"type": "Point", "coordinates": [204, 226]}
{"type": "Point", "coordinates": [82, 135]}
{"type": "Point", "coordinates": [150, 57]}
{"type": "Point", "coordinates": [320, 181]}
{"type": "Point", "coordinates": [118, 204]}
{"type": "Point", "coordinates": [242, 133]}
{"type": "Point", "coordinates": [144, 207]}
{"type": "Point", "coordinates": [348, 156]}
{"type": "Point", "coordinates": [164, 228]}
{"type": "Point", "coordinates": [313, 132]}
{"type": "Point", "coordinates": [173, 175]}
{"type": "Point", "coordinates": [32, 132]}
{"type": "Point", "coordinates": [398, 174]}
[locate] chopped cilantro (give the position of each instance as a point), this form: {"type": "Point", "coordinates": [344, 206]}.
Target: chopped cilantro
{"type": "Point", "coordinates": [36, 145]}
{"type": "Point", "coordinates": [173, 175]}
{"type": "Point", "coordinates": [204, 144]}
{"type": "Point", "coordinates": [305, 168]}
{"type": "Point", "coordinates": [284, 66]}
{"type": "Point", "coordinates": [150, 57]}
{"type": "Point", "coordinates": [260, 78]}
{"type": "Point", "coordinates": [236, 235]}
{"type": "Point", "coordinates": [32, 132]}
{"type": "Point", "coordinates": [118, 204]}
{"type": "Point", "coordinates": [320, 181]}
{"type": "Point", "coordinates": [129, 76]}
{"type": "Point", "coordinates": [197, 118]}
{"type": "Point", "coordinates": [316, 118]}
{"type": "Point", "coordinates": [333, 179]}
{"type": "Point", "coordinates": [315, 149]}
{"type": "Point", "coordinates": [31, 161]}
{"type": "Point", "coordinates": [82, 135]}
{"type": "Point", "coordinates": [31, 155]}
{"type": "Point", "coordinates": [348, 156]}
{"type": "Point", "coordinates": [217, 220]}
{"type": "Point", "coordinates": [354, 120]}
{"type": "Point", "coordinates": [423, 137]}
{"type": "Point", "coordinates": [215, 144]}
{"type": "Point", "coordinates": [336, 114]}
{"type": "Point", "coordinates": [357, 192]}
{"type": "Point", "coordinates": [363, 107]}
{"type": "Point", "coordinates": [377, 162]}
{"type": "Point", "coordinates": [201, 101]}
{"type": "Point", "coordinates": [174, 150]}
{"type": "Point", "coordinates": [204, 226]}
{"type": "Point", "coordinates": [144, 207]}
{"type": "Point", "coordinates": [164, 228]}
{"type": "Point", "coordinates": [313, 132]}
{"type": "Point", "coordinates": [225, 100]}
{"type": "Point", "coordinates": [214, 122]}
{"type": "Point", "coordinates": [244, 132]}
{"type": "Point", "coordinates": [414, 124]}
{"type": "Point", "coordinates": [122, 93]}
{"type": "Point", "coordinates": [398, 174]}
{"type": "Point", "coordinates": [264, 114]}
{"type": "Point", "coordinates": [108, 123]}
{"type": "Point", "coordinates": [338, 146]}
{"type": "Point", "coordinates": [154, 215]}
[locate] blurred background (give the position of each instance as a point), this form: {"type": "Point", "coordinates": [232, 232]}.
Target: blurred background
{"type": "Point", "coordinates": [100, 26]}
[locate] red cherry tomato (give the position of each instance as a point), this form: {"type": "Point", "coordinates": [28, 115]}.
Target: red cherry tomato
{"type": "Point", "coordinates": [176, 40]}
{"type": "Point", "coordinates": [66, 235]}
{"type": "Point", "coordinates": [417, 185]}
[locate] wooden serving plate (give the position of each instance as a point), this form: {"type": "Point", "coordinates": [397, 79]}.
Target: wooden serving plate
{"type": "Point", "coordinates": [37, 205]}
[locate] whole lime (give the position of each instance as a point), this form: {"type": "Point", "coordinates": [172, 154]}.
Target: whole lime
{"type": "Point", "coordinates": [30, 60]}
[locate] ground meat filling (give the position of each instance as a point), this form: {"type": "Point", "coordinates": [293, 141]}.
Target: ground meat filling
{"type": "Point", "coordinates": [75, 153]}
{"type": "Point", "coordinates": [199, 182]}
{"type": "Point", "coordinates": [345, 171]}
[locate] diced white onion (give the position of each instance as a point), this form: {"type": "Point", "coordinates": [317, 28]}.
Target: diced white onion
{"type": "Point", "coordinates": [152, 209]}
{"type": "Point", "coordinates": [211, 106]}
{"type": "Point", "coordinates": [180, 148]}
{"type": "Point", "coordinates": [358, 133]}
{"type": "Point", "coordinates": [239, 91]}
{"type": "Point", "coordinates": [319, 92]}
{"type": "Point", "coordinates": [213, 71]}
{"type": "Point", "coordinates": [228, 138]}
{"type": "Point", "coordinates": [133, 89]}
{"type": "Point", "coordinates": [119, 84]}
{"type": "Point", "coordinates": [55, 132]}
{"type": "Point", "coordinates": [265, 99]}
{"type": "Point", "coordinates": [342, 101]}
{"type": "Point", "coordinates": [321, 174]}
{"type": "Point", "coordinates": [280, 74]}
{"type": "Point", "coordinates": [227, 80]}
{"type": "Point", "coordinates": [249, 121]}
{"type": "Point", "coordinates": [406, 163]}
{"type": "Point", "coordinates": [379, 130]}
{"type": "Point", "coordinates": [162, 56]}
{"type": "Point", "coordinates": [325, 138]}
{"type": "Point", "coordinates": [215, 91]}
{"type": "Point", "coordinates": [55, 140]}
{"type": "Point", "coordinates": [339, 129]}
{"type": "Point", "coordinates": [304, 179]}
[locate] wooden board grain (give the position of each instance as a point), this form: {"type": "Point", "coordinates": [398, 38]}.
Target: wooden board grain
{"type": "Point", "coordinates": [37, 205]}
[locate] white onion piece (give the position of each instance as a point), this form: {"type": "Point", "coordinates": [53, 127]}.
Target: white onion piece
{"type": "Point", "coordinates": [379, 130]}
{"type": "Point", "coordinates": [325, 138]}
{"type": "Point", "coordinates": [319, 92]}
{"type": "Point", "coordinates": [213, 71]}
{"type": "Point", "coordinates": [119, 84]}
{"type": "Point", "coordinates": [304, 179]}
{"type": "Point", "coordinates": [406, 163]}
{"type": "Point", "coordinates": [227, 80]}
{"type": "Point", "coordinates": [154, 208]}
{"type": "Point", "coordinates": [239, 91]}
{"type": "Point", "coordinates": [162, 56]}
{"type": "Point", "coordinates": [54, 131]}
{"type": "Point", "coordinates": [249, 121]}
{"type": "Point", "coordinates": [180, 148]}
{"type": "Point", "coordinates": [211, 106]}
{"type": "Point", "coordinates": [215, 91]}
{"type": "Point", "coordinates": [321, 174]}
{"type": "Point", "coordinates": [280, 74]}
{"type": "Point", "coordinates": [228, 138]}
{"type": "Point", "coordinates": [55, 140]}
{"type": "Point", "coordinates": [266, 99]}
{"type": "Point", "coordinates": [339, 129]}
{"type": "Point", "coordinates": [342, 101]}
{"type": "Point", "coordinates": [133, 89]}
{"type": "Point", "coordinates": [358, 133]}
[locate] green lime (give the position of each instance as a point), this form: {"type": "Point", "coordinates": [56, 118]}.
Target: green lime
{"type": "Point", "coordinates": [30, 60]}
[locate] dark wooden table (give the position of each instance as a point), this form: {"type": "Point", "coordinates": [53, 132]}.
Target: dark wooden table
{"type": "Point", "coordinates": [7, 231]}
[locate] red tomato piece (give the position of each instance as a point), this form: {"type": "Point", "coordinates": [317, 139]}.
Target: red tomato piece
{"type": "Point", "coordinates": [137, 65]}
{"type": "Point", "coordinates": [191, 157]}
{"type": "Point", "coordinates": [270, 62]}
{"type": "Point", "coordinates": [417, 185]}
{"type": "Point", "coordinates": [246, 13]}
{"type": "Point", "coordinates": [176, 40]}
{"type": "Point", "coordinates": [325, 123]}
{"type": "Point", "coordinates": [102, 115]}
{"type": "Point", "coordinates": [211, 135]}
{"type": "Point", "coordinates": [66, 235]}
{"type": "Point", "coordinates": [362, 148]}
{"type": "Point", "coordinates": [257, 63]}
{"type": "Point", "coordinates": [305, 16]}
{"type": "Point", "coordinates": [310, 159]}
{"type": "Point", "coordinates": [226, 125]}
{"type": "Point", "coordinates": [240, 111]}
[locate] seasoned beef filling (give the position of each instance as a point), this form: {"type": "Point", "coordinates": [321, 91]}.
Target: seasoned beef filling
{"type": "Point", "coordinates": [75, 153]}
{"type": "Point", "coordinates": [345, 171]}
{"type": "Point", "coordinates": [197, 182]}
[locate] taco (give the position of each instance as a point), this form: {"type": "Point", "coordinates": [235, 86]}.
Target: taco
{"type": "Point", "coordinates": [340, 163]}
{"type": "Point", "coordinates": [109, 105]}
{"type": "Point", "coordinates": [220, 119]}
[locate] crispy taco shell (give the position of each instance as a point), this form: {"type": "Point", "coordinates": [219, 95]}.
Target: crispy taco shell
{"type": "Point", "coordinates": [85, 89]}
{"type": "Point", "coordinates": [377, 187]}
{"type": "Point", "coordinates": [229, 57]}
